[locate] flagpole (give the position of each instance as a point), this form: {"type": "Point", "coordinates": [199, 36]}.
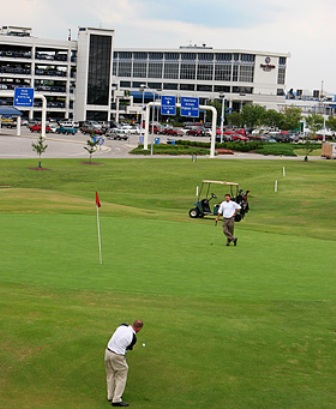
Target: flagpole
{"type": "Point", "coordinates": [99, 238]}
{"type": "Point", "coordinates": [98, 204]}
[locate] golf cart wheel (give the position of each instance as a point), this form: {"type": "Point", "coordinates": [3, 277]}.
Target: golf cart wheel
{"type": "Point", "coordinates": [193, 213]}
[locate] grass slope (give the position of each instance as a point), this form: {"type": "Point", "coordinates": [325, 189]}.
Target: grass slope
{"type": "Point", "coordinates": [240, 328]}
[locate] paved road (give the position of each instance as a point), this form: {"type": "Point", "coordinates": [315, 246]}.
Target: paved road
{"type": "Point", "coordinates": [72, 146]}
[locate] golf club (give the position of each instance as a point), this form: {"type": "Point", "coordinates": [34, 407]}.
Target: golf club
{"type": "Point", "coordinates": [213, 234]}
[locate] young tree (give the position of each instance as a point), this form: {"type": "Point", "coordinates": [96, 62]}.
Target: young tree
{"type": "Point", "coordinates": [314, 122]}
{"type": "Point", "coordinates": [39, 148]}
{"type": "Point", "coordinates": [273, 118]}
{"type": "Point", "coordinates": [91, 145]}
{"type": "Point", "coordinates": [235, 119]}
{"type": "Point", "coordinates": [292, 118]}
{"type": "Point", "coordinates": [253, 115]}
{"type": "Point", "coordinates": [331, 123]}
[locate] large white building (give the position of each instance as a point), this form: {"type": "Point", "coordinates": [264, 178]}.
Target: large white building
{"type": "Point", "coordinates": [88, 79]}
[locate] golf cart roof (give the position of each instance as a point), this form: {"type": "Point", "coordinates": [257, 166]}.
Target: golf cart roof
{"type": "Point", "coordinates": [219, 182]}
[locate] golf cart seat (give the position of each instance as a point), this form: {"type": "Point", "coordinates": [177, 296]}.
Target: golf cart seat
{"type": "Point", "coordinates": [205, 206]}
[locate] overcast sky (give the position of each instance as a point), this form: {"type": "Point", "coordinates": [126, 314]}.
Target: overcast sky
{"type": "Point", "coordinates": [304, 28]}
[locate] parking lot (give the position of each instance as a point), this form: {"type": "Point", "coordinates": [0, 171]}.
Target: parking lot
{"type": "Point", "coordinates": [69, 146]}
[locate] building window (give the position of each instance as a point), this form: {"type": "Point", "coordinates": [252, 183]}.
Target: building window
{"type": "Point", "coordinates": [235, 73]}
{"type": "Point", "coordinates": [223, 57]}
{"type": "Point", "coordinates": [156, 56]}
{"type": "Point", "coordinates": [155, 85]}
{"type": "Point", "coordinates": [204, 88]}
{"type": "Point", "coordinates": [139, 70]}
{"type": "Point", "coordinates": [125, 84]}
{"type": "Point", "coordinates": [204, 72]}
{"type": "Point", "coordinates": [247, 57]}
{"type": "Point", "coordinates": [282, 60]}
{"type": "Point", "coordinates": [205, 57]}
{"type": "Point", "coordinates": [155, 70]}
{"type": "Point", "coordinates": [114, 68]}
{"type": "Point", "coordinates": [99, 70]}
{"type": "Point", "coordinates": [170, 86]}
{"type": "Point", "coordinates": [281, 75]}
{"type": "Point", "coordinates": [222, 88]}
{"type": "Point", "coordinates": [246, 73]}
{"type": "Point", "coordinates": [140, 56]}
{"type": "Point", "coordinates": [125, 55]}
{"type": "Point", "coordinates": [172, 56]}
{"type": "Point", "coordinates": [280, 92]}
{"type": "Point", "coordinates": [188, 56]}
{"type": "Point", "coordinates": [223, 73]}
{"type": "Point", "coordinates": [187, 87]}
{"type": "Point", "coordinates": [242, 90]}
{"type": "Point", "coordinates": [171, 71]}
{"type": "Point", "coordinates": [188, 72]}
{"type": "Point", "coordinates": [125, 69]}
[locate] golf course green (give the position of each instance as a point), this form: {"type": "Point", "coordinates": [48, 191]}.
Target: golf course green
{"type": "Point", "coordinates": [246, 327]}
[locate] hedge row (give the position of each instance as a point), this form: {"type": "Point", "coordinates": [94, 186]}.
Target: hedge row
{"type": "Point", "coordinates": [185, 147]}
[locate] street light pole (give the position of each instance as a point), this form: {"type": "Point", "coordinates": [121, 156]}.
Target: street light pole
{"type": "Point", "coordinates": [142, 89]}
{"type": "Point", "coordinates": [222, 117]}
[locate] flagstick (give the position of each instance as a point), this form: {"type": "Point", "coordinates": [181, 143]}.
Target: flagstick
{"type": "Point", "coordinates": [99, 238]}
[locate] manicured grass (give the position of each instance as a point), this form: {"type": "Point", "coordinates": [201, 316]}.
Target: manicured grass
{"type": "Point", "coordinates": [240, 328]}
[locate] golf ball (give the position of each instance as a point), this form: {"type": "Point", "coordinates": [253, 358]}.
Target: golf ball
{"type": "Point", "coordinates": [143, 344]}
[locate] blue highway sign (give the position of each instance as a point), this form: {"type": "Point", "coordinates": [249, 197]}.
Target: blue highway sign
{"type": "Point", "coordinates": [23, 97]}
{"type": "Point", "coordinates": [190, 107]}
{"type": "Point", "coordinates": [168, 105]}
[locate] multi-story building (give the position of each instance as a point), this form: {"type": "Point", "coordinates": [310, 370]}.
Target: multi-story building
{"type": "Point", "coordinates": [63, 71]}
{"type": "Point", "coordinates": [48, 66]}
{"type": "Point", "coordinates": [242, 76]}
{"type": "Point", "coordinates": [88, 79]}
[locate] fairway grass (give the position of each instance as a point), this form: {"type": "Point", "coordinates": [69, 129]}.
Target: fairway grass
{"type": "Point", "coordinates": [246, 327]}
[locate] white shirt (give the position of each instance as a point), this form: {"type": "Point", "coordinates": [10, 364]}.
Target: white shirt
{"type": "Point", "coordinates": [121, 339]}
{"type": "Point", "coordinates": [228, 209]}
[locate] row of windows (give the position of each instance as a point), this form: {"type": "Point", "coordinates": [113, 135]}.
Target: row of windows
{"type": "Point", "coordinates": [203, 72]}
{"type": "Point", "coordinates": [173, 56]}
{"type": "Point", "coordinates": [189, 87]}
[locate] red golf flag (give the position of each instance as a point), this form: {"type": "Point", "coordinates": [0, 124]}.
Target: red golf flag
{"type": "Point", "coordinates": [98, 204]}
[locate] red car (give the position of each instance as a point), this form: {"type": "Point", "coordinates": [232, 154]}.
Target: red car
{"type": "Point", "coordinates": [38, 128]}
{"type": "Point", "coordinates": [173, 132]}
{"type": "Point", "coordinates": [238, 137]}
{"type": "Point", "coordinates": [197, 131]}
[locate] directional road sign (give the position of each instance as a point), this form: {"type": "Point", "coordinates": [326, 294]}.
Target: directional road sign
{"type": "Point", "coordinates": [23, 97]}
{"type": "Point", "coordinates": [190, 107]}
{"type": "Point", "coordinates": [168, 105]}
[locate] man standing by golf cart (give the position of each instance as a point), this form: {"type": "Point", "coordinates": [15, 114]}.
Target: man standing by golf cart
{"type": "Point", "coordinates": [228, 208]}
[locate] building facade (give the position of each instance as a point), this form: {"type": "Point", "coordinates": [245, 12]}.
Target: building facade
{"type": "Point", "coordinates": [87, 79]}
{"type": "Point", "coordinates": [242, 76]}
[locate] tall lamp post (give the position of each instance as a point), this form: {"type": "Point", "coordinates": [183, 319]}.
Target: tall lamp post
{"type": "Point", "coordinates": [221, 95]}
{"type": "Point", "coordinates": [153, 120]}
{"type": "Point", "coordinates": [142, 89]}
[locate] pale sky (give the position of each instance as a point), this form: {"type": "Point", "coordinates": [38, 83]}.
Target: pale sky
{"type": "Point", "coordinates": [304, 28]}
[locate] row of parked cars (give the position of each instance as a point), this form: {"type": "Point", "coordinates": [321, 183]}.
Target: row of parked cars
{"type": "Point", "coordinates": [123, 131]}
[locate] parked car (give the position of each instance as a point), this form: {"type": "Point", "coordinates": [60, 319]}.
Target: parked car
{"type": "Point", "coordinates": [67, 130]}
{"type": "Point", "coordinates": [117, 134]}
{"type": "Point", "coordinates": [196, 131]}
{"type": "Point", "coordinates": [38, 128]}
{"type": "Point", "coordinates": [238, 137]}
{"type": "Point", "coordinates": [172, 132]}
{"type": "Point", "coordinates": [71, 124]}
{"type": "Point", "coordinates": [91, 130]}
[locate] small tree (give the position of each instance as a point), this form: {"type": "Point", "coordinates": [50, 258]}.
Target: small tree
{"type": "Point", "coordinates": [91, 145]}
{"type": "Point", "coordinates": [308, 148]}
{"type": "Point", "coordinates": [39, 148]}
